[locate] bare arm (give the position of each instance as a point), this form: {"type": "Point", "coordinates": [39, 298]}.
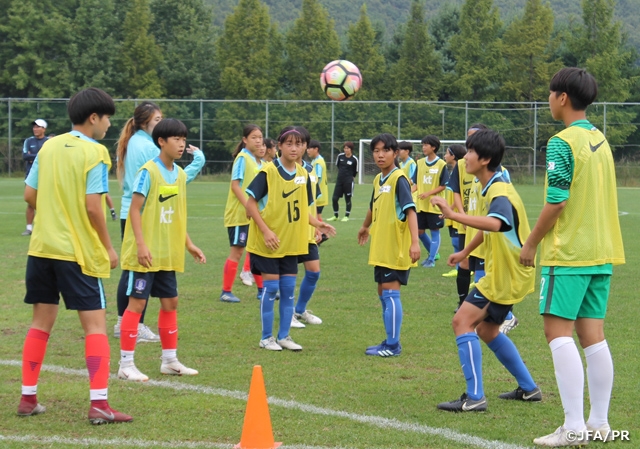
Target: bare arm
{"type": "Point", "coordinates": [93, 204]}
{"type": "Point", "coordinates": [548, 217]}
{"type": "Point", "coordinates": [457, 202]}
{"type": "Point", "coordinates": [135, 216]}
{"type": "Point", "coordinates": [321, 226]}
{"type": "Point", "coordinates": [196, 252]}
{"type": "Point", "coordinates": [461, 255]}
{"type": "Point", "coordinates": [482, 223]}
{"type": "Point", "coordinates": [363, 233]}
{"type": "Point", "coordinates": [30, 196]}
{"type": "Point", "coordinates": [414, 250]}
{"type": "Point", "coordinates": [431, 192]}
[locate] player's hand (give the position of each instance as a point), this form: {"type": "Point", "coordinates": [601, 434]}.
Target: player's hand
{"type": "Point", "coordinates": [318, 236]}
{"type": "Point", "coordinates": [414, 252]}
{"type": "Point", "coordinates": [363, 235]}
{"type": "Point", "coordinates": [441, 203]}
{"type": "Point", "coordinates": [423, 196]}
{"type": "Point", "coordinates": [113, 214]}
{"type": "Point", "coordinates": [191, 149]}
{"type": "Point", "coordinates": [271, 240]}
{"type": "Point", "coordinates": [456, 258]}
{"type": "Point", "coordinates": [528, 255]}
{"type": "Point", "coordinates": [197, 253]}
{"type": "Point", "coordinates": [144, 256]}
{"type": "Point", "coordinates": [113, 258]}
{"type": "Point", "coordinates": [326, 228]}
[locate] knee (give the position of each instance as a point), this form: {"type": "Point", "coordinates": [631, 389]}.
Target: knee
{"type": "Point", "coordinates": [136, 305]}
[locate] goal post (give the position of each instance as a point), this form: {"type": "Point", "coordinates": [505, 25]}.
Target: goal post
{"type": "Point", "coordinates": [367, 166]}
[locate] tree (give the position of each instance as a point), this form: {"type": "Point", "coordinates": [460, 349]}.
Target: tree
{"type": "Point", "coordinates": [442, 28]}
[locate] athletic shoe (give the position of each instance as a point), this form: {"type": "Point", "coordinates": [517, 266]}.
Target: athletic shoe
{"type": "Point", "coordinates": [107, 415]}
{"type": "Point", "coordinates": [384, 350]}
{"type": "Point", "coordinates": [308, 317]}
{"type": "Point", "coordinates": [116, 330]}
{"type": "Point", "coordinates": [259, 295]}
{"type": "Point", "coordinates": [332, 219]}
{"type": "Point", "coordinates": [437, 256]}
{"type": "Point", "coordinates": [146, 335]}
{"type": "Point", "coordinates": [450, 274]}
{"type": "Point", "coordinates": [176, 368]}
{"type": "Point", "coordinates": [602, 434]}
{"type": "Point", "coordinates": [288, 343]}
{"type": "Point", "coordinates": [228, 297]}
{"type": "Point", "coordinates": [428, 263]}
{"type": "Point", "coordinates": [464, 404]}
{"type": "Point", "coordinates": [26, 232]}
{"type": "Point", "coordinates": [519, 394]}
{"type": "Point", "coordinates": [278, 295]}
{"type": "Point", "coordinates": [509, 325]}
{"type": "Point", "coordinates": [563, 437]}
{"type": "Point", "coordinates": [247, 278]}
{"type": "Point", "coordinates": [270, 344]}
{"type": "Point", "coordinates": [30, 408]}
{"type": "Point", "coordinates": [345, 219]}
{"type": "Point", "coordinates": [376, 346]}
{"type": "Point", "coordinates": [295, 323]}
{"type": "Point", "coordinates": [130, 372]}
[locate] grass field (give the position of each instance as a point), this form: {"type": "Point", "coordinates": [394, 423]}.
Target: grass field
{"type": "Point", "coordinates": [329, 395]}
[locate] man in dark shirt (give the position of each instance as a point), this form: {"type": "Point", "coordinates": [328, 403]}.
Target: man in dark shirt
{"type": "Point", "coordinates": [347, 165]}
{"type": "Point", "coordinates": [29, 152]}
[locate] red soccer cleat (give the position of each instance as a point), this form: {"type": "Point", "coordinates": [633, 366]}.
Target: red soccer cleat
{"type": "Point", "coordinates": [107, 415]}
{"type": "Point", "coordinates": [29, 406]}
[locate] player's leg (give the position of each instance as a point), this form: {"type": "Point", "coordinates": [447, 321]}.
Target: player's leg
{"type": "Point", "coordinates": [455, 242]}
{"type": "Point", "coordinates": [348, 195]}
{"type": "Point", "coordinates": [288, 268]}
{"type": "Point", "coordinates": [138, 290]}
{"type": "Point", "coordinates": [245, 275]}
{"type": "Point", "coordinates": [30, 215]}
{"type": "Point", "coordinates": [237, 243]}
{"type": "Point", "coordinates": [337, 194]}
{"type": "Point", "coordinates": [389, 282]}
{"type": "Point", "coordinates": [308, 286]}
{"type": "Point", "coordinates": [422, 235]}
{"type": "Point", "coordinates": [435, 245]}
{"type": "Point", "coordinates": [271, 279]}
{"type": "Point", "coordinates": [464, 274]}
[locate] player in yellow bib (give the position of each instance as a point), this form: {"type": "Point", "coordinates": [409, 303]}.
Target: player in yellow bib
{"type": "Point", "coordinates": [504, 225]}
{"type": "Point", "coordinates": [395, 248]}
{"type": "Point", "coordinates": [320, 169]}
{"type": "Point", "coordinates": [581, 240]}
{"type": "Point", "coordinates": [452, 155]}
{"type": "Point", "coordinates": [155, 238]}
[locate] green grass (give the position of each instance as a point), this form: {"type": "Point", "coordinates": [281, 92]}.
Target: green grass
{"type": "Point", "coordinates": [221, 340]}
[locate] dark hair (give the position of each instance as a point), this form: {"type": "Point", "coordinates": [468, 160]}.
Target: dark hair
{"type": "Point", "coordinates": [388, 140]}
{"type": "Point", "coordinates": [290, 131]}
{"type": "Point", "coordinates": [477, 127]}
{"type": "Point", "coordinates": [142, 115]}
{"type": "Point", "coordinates": [314, 144]}
{"type": "Point", "coordinates": [269, 143]}
{"type": "Point", "coordinates": [487, 144]}
{"type": "Point", "coordinates": [248, 129]}
{"type": "Point", "coordinates": [90, 101]}
{"type": "Point", "coordinates": [579, 85]}
{"type": "Point", "coordinates": [404, 145]}
{"type": "Point", "coordinates": [433, 141]}
{"type": "Point", "coordinates": [348, 144]}
{"type": "Point", "coordinates": [168, 127]}
{"type": "Point", "coordinates": [457, 150]}
{"type": "Point", "coordinates": [306, 137]}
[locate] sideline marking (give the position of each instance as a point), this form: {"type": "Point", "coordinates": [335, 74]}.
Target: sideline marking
{"type": "Point", "coordinates": [377, 421]}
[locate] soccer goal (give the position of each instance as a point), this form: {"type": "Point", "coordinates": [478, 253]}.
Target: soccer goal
{"type": "Point", "coordinates": [368, 168]}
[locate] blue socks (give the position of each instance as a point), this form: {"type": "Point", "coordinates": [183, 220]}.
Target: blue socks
{"type": "Point", "coordinates": [510, 317]}
{"type": "Point", "coordinates": [455, 241]}
{"type": "Point", "coordinates": [392, 316]}
{"type": "Point", "coordinates": [426, 241]}
{"type": "Point", "coordinates": [507, 353]}
{"type": "Point", "coordinates": [435, 244]}
{"type": "Point", "coordinates": [287, 287]}
{"type": "Point", "coordinates": [307, 287]}
{"type": "Point", "coordinates": [470, 355]}
{"type": "Point", "coordinates": [478, 274]}
{"type": "Point", "coordinates": [266, 307]}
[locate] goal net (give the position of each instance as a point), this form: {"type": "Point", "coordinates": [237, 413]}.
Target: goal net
{"type": "Point", "coordinates": [367, 167]}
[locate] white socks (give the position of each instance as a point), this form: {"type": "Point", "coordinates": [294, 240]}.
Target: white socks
{"type": "Point", "coordinates": [570, 379]}
{"type": "Point", "coordinates": [600, 380]}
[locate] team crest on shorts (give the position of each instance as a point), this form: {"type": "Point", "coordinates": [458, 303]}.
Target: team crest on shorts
{"type": "Point", "coordinates": [140, 285]}
{"type": "Point", "coordinates": [243, 236]}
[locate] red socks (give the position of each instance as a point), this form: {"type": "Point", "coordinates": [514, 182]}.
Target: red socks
{"type": "Point", "coordinates": [129, 330]}
{"type": "Point", "coordinates": [230, 271]}
{"type": "Point", "coordinates": [168, 328]}
{"type": "Point", "coordinates": [98, 356]}
{"type": "Point", "coordinates": [35, 347]}
{"type": "Point", "coordinates": [247, 263]}
{"type": "Point", "coordinates": [258, 280]}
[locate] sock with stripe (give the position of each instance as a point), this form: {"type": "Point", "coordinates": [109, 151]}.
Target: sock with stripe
{"type": "Point", "coordinates": [435, 244]}
{"type": "Point", "coordinates": [168, 329]}
{"type": "Point", "coordinates": [229, 276]}
{"type": "Point", "coordinates": [508, 354]}
{"type": "Point", "coordinates": [266, 307]}
{"type": "Point", "coordinates": [392, 316]}
{"type": "Point", "coordinates": [98, 358]}
{"type": "Point", "coordinates": [287, 287]}
{"type": "Point", "coordinates": [33, 352]}
{"type": "Point", "coordinates": [470, 354]}
{"type": "Point", "coordinates": [462, 284]}
{"type": "Point", "coordinates": [307, 287]}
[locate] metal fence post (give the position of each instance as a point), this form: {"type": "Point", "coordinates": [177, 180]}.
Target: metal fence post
{"type": "Point", "coordinates": [9, 138]}
{"type": "Point", "coordinates": [399, 118]}
{"type": "Point", "coordinates": [466, 117]}
{"type": "Point", "coordinates": [266, 119]}
{"type": "Point", "coordinates": [201, 125]}
{"type": "Point", "coordinates": [333, 104]}
{"type": "Point", "coordinates": [535, 140]}
{"type": "Point", "coordinates": [604, 119]}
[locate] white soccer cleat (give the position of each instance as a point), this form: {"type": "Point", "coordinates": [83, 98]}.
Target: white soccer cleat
{"type": "Point", "coordinates": [116, 330]}
{"type": "Point", "coordinates": [563, 437]}
{"type": "Point", "coordinates": [130, 372]}
{"type": "Point", "coordinates": [246, 277]}
{"type": "Point", "coordinates": [308, 317]}
{"type": "Point", "coordinates": [146, 335]}
{"type": "Point", "coordinates": [295, 323]}
{"type": "Point", "coordinates": [602, 434]}
{"type": "Point", "coordinates": [288, 343]}
{"type": "Point", "coordinates": [270, 344]}
{"type": "Point", "coordinates": [509, 325]}
{"type": "Point", "coordinates": [176, 368]}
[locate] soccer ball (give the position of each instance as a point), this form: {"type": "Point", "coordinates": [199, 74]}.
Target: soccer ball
{"type": "Point", "coordinates": [340, 80]}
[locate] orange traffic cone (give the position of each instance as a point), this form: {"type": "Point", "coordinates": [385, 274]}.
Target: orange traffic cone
{"type": "Point", "coordinates": [256, 431]}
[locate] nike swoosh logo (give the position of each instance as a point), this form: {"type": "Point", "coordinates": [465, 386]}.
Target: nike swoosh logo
{"type": "Point", "coordinates": [66, 145]}
{"type": "Point", "coordinates": [175, 370]}
{"type": "Point", "coordinates": [287, 194]}
{"type": "Point", "coordinates": [99, 394]}
{"type": "Point", "coordinates": [133, 335]}
{"type": "Point", "coordinates": [476, 296]}
{"type": "Point", "coordinates": [594, 148]}
{"type": "Point", "coordinates": [527, 396]}
{"type": "Point", "coordinates": [162, 199]}
{"type": "Point", "coordinates": [109, 415]}
{"type": "Point", "coordinates": [467, 182]}
{"type": "Point", "coordinates": [387, 274]}
{"type": "Point", "coordinates": [173, 332]}
{"type": "Point", "coordinates": [466, 407]}
{"type": "Point", "coordinates": [376, 198]}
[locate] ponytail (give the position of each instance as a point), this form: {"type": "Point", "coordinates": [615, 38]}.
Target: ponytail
{"type": "Point", "coordinates": [121, 151]}
{"type": "Point", "coordinates": [248, 129]}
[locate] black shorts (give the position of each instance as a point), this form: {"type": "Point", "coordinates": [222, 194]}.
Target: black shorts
{"type": "Point", "coordinates": [383, 274]}
{"type": "Point", "coordinates": [429, 220]}
{"type": "Point", "coordinates": [46, 279]}
{"type": "Point", "coordinates": [476, 264]}
{"type": "Point", "coordinates": [238, 235]}
{"type": "Point", "coordinates": [343, 188]}
{"type": "Point", "coordinates": [453, 232]}
{"type": "Point", "coordinates": [496, 312]}
{"type": "Point", "coordinates": [280, 266]}
{"type": "Point", "coordinates": [320, 209]}
{"type": "Point", "coordinates": [313, 254]}
{"type": "Point", "coordinates": [159, 284]}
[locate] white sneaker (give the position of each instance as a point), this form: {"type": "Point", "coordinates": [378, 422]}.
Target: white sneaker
{"type": "Point", "coordinates": [146, 335]}
{"type": "Point", "coordinates": [288, 343]}
{"type": "Point", "coordinates": [602, 434]}
{"type": "Point", "coordinates": [509, 325]}
{"type": "Point", "coordinates": [116, 330]}
{"type": "Point", "coordinates": [246, 277]}
{"type": "Point", "coordinates": [270, 344]}
{"type": "Point", "coordinates": [176, 368]}
{"type": "Point", "coordinates": [308, 317]}
{"type": "Point", "coordinates": [563, 437]}
{"type": "Point", "coordinates": [295, 323]}
{"type": "Point", "coordinates": [130, 372]}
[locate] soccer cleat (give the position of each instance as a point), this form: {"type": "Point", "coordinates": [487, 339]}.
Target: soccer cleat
{"type": "Point", "coordinates": [176, 368]}
{"type": "Point", "coordinates": [228, 297]}
{"type": "Point", "coordinates": [259, 295]}
{"type": "Point", "coordinates": [295, 323]}
{"type": "Point", "coordinates": [247, 278]}
{"type": "Point", "coordinates": [116, 330]}
{"type": "Point", "coordinates": [509, 325]}
{"type": "Point", "coordinates": [437, 256]}
{"type": "Point", "coordinates": [428, 263]}
{"type": "Point", "coordinates": [270, 344]}
{"type": "Point", "coordinates": [113, 215]}
{"type": "Point", "coordinates": [376, 346]}
{"type": "Point", "coordinates": [519, 394]}
{"type": "Point", "coordinates": [384, 350]}
{"type": "Point", "coordinates": [450, 274]}
{"type": "Point", "coordinates": [563, 437]}
{"type": "Point", "coordinates": [146, 335]}
{"type": "Point", "coordinates": [464, 404]}
{"type": "Point", "coordinates": [26, 232]}
{"type": "Point", "coordinates": [130, 372]}
{"type": "Point", "coordinates": [107, 415]}
{"type": "Point", "coordinates": [308, 317]}
{"type": "Point", "coordinates": [288, 343]}
{"type": "Point", "coordinates": [344, 219]}
{"type": "Point", "coordinates": [334, 218]}
{"type": "Point", "coordinates": [602, 434]}
{"type": "Point", "coordinates": [30, 408]}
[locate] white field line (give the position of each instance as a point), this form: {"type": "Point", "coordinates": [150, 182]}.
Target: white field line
{"type": "Point", "coordinates": [377, 421]}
